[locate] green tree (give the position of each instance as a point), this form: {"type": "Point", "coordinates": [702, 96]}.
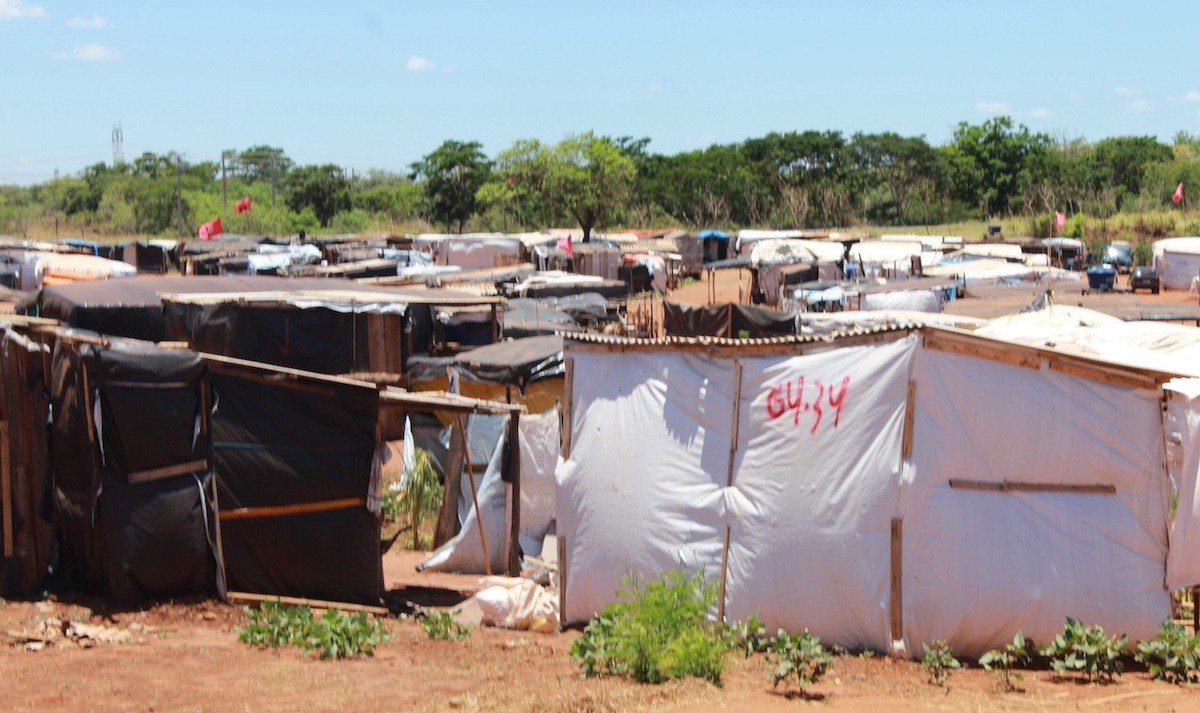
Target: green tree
{"type": "Point", "coordinates": [988, 163]}
{"type": "Point", "coordinates": [324, 189]}
{"type": "Point", "coordinates": [453, 173]}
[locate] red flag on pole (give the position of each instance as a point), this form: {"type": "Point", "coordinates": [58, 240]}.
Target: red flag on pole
{"type": "Point", "coordinates": [242, 206]}
{"type": "Point", "coordinates": [209, 229]}
{"type": "Point", "coordinates": [1178, 197]}
{"type": "Point", "coordinates": [1060, 219]}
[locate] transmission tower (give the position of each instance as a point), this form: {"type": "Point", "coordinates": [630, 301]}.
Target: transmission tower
{"type": "Point", "coordinates": [118, 139]}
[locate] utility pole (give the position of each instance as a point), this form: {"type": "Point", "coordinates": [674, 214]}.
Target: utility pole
{"type": "Point", "coordinates": [272, 180]}
{"type": "Point", "coordinates": [179, 191]}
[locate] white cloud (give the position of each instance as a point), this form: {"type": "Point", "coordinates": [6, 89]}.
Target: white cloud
{"type": "Point", "coordinates": [95, 22]}
{"type": "Point", "coordinates": [993, 107]}
{"type": "Point", "coordinates": [1040, 113]}
{"type": "Point", "coordinates": [1191, 96]}
{"type": "Point", "coordinates": [18, 9]}
{"type": "Point", "coordinates": [1124, 91]}
{"type": "Point", "coordinates": [1139, 105]}
{"type": "Point", "coordinates": [89, 53]}
{"type": "Point", "coordinates": [416, 63]}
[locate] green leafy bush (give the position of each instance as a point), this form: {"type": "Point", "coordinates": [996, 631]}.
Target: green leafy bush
{"type": "Point", "coordinates": [938, 662]}
{"type": "Point", "coordinates": [798, 655]}
{"type": "Point", "coordinates": [656, 631]}
{"type": "Point", "coordinates": [1003, 661]}
{"type": "Point", "coordinates": [1171, 655]}
{"type": "Point", "coordinates": [443, 627]}
{"type": "Point", "coordinates": [335, 635]}
{"type": "Point", "coordinates": [1087, 649]}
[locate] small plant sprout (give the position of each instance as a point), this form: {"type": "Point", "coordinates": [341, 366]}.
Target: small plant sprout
{"type": "Point", "coordinates": [1171, 655]}
{"type": "Point", "coordinates": [443, 627]}
{"type": "Point", "coordinates": [1088, 650]}
{"type": "Point", "coordinates": [799, 656]}
{"type": "Point", "coordinates": [938, 662]}
{"type": "Point", "coordinates": [1003, 661]}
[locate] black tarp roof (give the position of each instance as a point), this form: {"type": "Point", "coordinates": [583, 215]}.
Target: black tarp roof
{"type": "Point", "coordinates": [519, 361]}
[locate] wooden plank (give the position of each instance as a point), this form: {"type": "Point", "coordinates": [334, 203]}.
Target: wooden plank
{"type": "Point", "coordinates": [167, 471]}
{"type": "Point", "coordinates": [1018, 487]}
{"type": "Point", "coordinates": [252, 598]}
{"type": "Point", "coordinates": [377, 349]}
{"type": "Point", "coordinates": [393, 333]}
{"type": "Point", "coordinates": [561, 543]}
{"type": "Point", "coordinates": [568, 397]}
{"type": "Point", "coordinates": [733, 446]}
{"type": "Point", "coordinates": [6, 491]}
{"type": "Point", "coordinates": [896, 605]}
{"type": "Point", "coordinates": [293, 509]}
{"type": "Point", "coordinates": [447, 522]}
{"type": "Point", "coordinates": [1013, 356]}
{"type": "Point", "coordinates": [487, 560]}
{"type": "Point", "coordinates": [514, 464]}
{"type": "Point", "coordinates": [1106, 375]}
{"type": "Point", "coordinates": [910, 409]}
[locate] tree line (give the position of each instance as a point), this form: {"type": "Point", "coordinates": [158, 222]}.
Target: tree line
{"type": "Point", "coordinates": [996, 169]}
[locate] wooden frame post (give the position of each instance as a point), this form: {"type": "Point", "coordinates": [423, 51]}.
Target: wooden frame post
{"type": "Point", "coordinates": [896, 601]}
{"type": "Point", "coordinates": [514, 466]}
{"type": "Point", "coordinates": [6, 492]}
{"type": "Point", "coordinates": [733, 445]}
{"type": "Point", "coordinates": [487, 560]}
{"type": "Point", "coordinates": [447, 522]}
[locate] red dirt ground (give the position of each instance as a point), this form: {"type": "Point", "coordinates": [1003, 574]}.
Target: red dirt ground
{"type": "Point", "coordinates": [186, 656]}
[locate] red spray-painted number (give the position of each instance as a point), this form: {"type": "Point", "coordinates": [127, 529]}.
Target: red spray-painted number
{"type": "Point", "coordinates": [790, 396]}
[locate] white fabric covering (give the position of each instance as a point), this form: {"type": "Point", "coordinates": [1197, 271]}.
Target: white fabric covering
{"type": "Point", "coordinates": [538, 435]}
{"type": "Point", "coordinates": [906, 300]}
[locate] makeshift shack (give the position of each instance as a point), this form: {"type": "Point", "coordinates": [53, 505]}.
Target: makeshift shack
{"type": "Point", "coordinates": [1178, 262]}
{"type": "Point", "coordinates": [919, 484]}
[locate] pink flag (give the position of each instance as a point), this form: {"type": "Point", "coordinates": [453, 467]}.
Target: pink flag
{"type": "Point", "coordinates": [1061, 219]}
{"type": "Point", "coordinates": [242, 206]}
{"type": "Point", "coordinates": [209, 229]}
{"type": "Point", "coordinates": [1178, 197]}
{"type": "Point", "coordinates": [566, 245]}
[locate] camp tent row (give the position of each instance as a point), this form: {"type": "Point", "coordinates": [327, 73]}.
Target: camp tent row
{"type": "Point", "coordinates": [882, 488]}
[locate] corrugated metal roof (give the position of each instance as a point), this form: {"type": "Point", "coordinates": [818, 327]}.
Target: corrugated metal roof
{"type": "Point", "coordinates": [619, 341]}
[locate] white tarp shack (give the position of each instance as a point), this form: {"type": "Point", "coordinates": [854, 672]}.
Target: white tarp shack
{"type": "Point", "coordinates": [1178, 262]}
{"type": "Point", "coordinates": [881, 489]}
{"type": "Point", "coordinates": [891, 259]}
{"type": "Point", "coordinates": [995, 271]}
{"type": "Point", "coordinates": [744, 243]}
{"type": "Point", "coordinates": [53, 268]}
{"type": "Point", "coordinates": [835, 323]}
{"type": "Point", "coordinates": [928, 242]}
{"type": "Point", "coordinates": [1006, 251]}
{"type": "Point", "coordinates": [770, 255]}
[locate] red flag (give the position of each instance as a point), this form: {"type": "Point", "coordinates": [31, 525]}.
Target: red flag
{"type": "Point", "coordinates": [209, 229]}
{"type": "Point", "coordinates": [1061, 219]}
{"type": "Point", "coordinates": [242, 206]}
{"type": "Point", "coordinates": [566, 245]}
{"type": "Point", "coordinates": [1178, 197]}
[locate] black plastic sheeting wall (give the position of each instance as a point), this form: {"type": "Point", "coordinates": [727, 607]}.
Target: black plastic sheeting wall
{"type": "Point", "coordinates": [130, 540]}
{"type": "Point", "coordinates": [280, 445]}
{"type": "Point", "coordinates": [731, 321]}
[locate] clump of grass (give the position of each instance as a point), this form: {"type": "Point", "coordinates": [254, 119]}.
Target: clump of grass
{"type": "Point", "coordinates": [335, 635]}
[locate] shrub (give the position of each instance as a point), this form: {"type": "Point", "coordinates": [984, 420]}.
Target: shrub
{"type": "Point", "coordinates": [1074, 227]}
{"type": "Point", "coordinates": [1086, 649]}
{"type": "Point", "coordinates": [421, 494]}
{"type": "Point", "coordinates": [1143, 254]}
{"type": "Point", "coordinates": [656, 631]}
{"type": "Point", "coordinates": [1171, 655]}
{"type": "Point", "coordinates": [1003, 661]}
{"type": "Point", "coordinates": [443, 627]}
{"type": "Point", "coordinates": [938, 661]}
{"type": "Point", "coordinates": [749, 637]}
{"type": "Point", "coordinates": [335, 635]}
{"type": "Point", "coordinates": [799, 655]}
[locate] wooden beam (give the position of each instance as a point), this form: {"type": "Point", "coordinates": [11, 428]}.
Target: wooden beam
{"type": "Point", "coordinates": [910, 409]}
{"type": "Point", "coordinates": [1007, 486]}
{"type": "Point", "coordinates": [561, 543]}
{"type": "Point", "coordinates": [487, 560]}
{"type": "Point", "coordinates": [896, 600]}
{"type": "Point", "coordinates": [954, 344]}
{"type": "Point", "coordinates": [292, 509]}
{"type": "Point", "coordinates": [1108, 375]}
{"type": "Point", "coordinates": [733, 446]}
{"type": "Point", "coordinates": [514, 465]}
{"type": "Point", "coordinates": [447, 522]}
{"type": "Point", "coordinates": [568, 397]}
{"type": "Point", "coordinates": [167, 471]}
{"type": "Point", "coordinates": [252, 598]}
{"type": "Point", "coordinates": [6, 491]}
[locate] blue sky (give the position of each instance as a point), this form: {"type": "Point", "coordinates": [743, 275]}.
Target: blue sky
{"type": "Point", "coordinates": [379, 84]}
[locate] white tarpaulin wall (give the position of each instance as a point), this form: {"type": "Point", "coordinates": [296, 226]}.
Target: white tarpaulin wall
{"type": "Point", "coordinates": [644, 489]}
{"type": "Point", "coordinates": [980, 565]}
{"type": "Point", "coordinates": [1183, 451]}
{"type": "Point", "coordinates": [538, 437]}
{"type": "Point", "coordinates": [815, 508]}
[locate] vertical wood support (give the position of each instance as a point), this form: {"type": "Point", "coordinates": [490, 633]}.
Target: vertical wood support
{"type": "Point", "coordinates": [447, 523]}
{"type": "Point", "coordinates": [205, 426]}
{"type": "Point", "coordinates": [568, 397]}
{"type": "Point", "coordinates": [733, 446]}
{"type": "Point", "coordinates": [910, 409]}
{"type": "Point", "coordinates": [6, 492]}
{"type": "Point", "coordinates": [514, 465]}
{"type": "Point", "coordinates": [896, 607]}
{"type": "Point", "coordinates": [461, 421]}
{"type": "Point", "coordinates": [561, 543]}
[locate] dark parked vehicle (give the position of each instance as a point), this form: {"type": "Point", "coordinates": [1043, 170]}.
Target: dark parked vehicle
{"type": "Point", "coordinates": [1120, 256]}
{"type": "Point", "coordinates": [1145, 277]}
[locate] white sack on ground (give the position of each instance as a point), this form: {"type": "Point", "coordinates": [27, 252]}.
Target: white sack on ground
{"type": "Point", "coordinates": [981, 565]}
{"type": "Point", "coordinates": [517, 603]}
